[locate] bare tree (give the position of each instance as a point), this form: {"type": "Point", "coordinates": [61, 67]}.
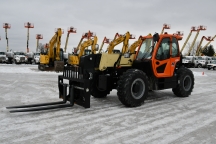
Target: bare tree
{"type": "Point", "coordinates": [193, 50]}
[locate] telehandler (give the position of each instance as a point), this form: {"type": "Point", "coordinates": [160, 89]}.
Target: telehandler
{"type": "Point", "coordinates": [53, 58]}
{"type": "Point", "coordinates": [156, 65]}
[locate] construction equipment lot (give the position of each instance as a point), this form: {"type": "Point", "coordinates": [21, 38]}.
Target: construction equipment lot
{"type": "Point", "coordinates": [164, 118]}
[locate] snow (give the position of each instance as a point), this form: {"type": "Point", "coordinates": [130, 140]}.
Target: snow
{"type": "Point", "coordinates": [163, 118]}
{"type": "Point", "coordinates": [23, 69]}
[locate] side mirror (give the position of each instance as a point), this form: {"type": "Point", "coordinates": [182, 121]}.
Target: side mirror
{"type": "Point", "coordinates": [156, 37]}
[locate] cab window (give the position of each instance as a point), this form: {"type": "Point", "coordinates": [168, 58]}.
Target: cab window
{"type": "Point", "coordinates": [163, 50]}
{"type": "Point", "coordinates": [175, 48]}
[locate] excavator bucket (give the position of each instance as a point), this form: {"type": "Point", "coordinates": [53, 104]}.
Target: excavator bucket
{"type": "Point", "coordinates": [77, 91]}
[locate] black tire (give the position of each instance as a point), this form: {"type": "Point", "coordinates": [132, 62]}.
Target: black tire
{"type": "Point", "coordinates": [96, 91]}
{"type": "Point", "coordinates": [41, 67]}
{"type": "Point", "coordinates": [209, 68]}
{"type": "Point", "coordinates": [199, 66]}
{"type": "Point", "coordinates": [129, 81]}
{"type": "Point", "coordinates": [214, 68]}
{"type": "Point", "coordinates": [185, 82]}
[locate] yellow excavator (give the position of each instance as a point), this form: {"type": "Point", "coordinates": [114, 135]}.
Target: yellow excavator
{"type": "Point", "coordinates": [52, 57]}
{"type": "Point", "coordinates": [81, 50]}
{"type": "Point", "coordinates": [121, 38]}
{"type": "Point", "coordinates": [136, 44]}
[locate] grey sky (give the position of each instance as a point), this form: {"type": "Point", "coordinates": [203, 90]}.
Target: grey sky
{"type": "Point", "coordinates": [104, 17]}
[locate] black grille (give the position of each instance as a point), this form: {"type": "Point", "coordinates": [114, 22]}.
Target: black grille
{"type": "Point", "coordinates": [73, 73]}
{"type": "Point", "coordinates": [2, 58]}
{"type": "Point", "coordinates": [22, 58]}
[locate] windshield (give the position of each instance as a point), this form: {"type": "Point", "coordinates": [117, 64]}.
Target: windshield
{"type": "Point", "coordinates": [200, 58]}
{"type": "Point", "coordinates": [19, 53]}
{"type": "Point", "coordinates": [214, 62]}
{"type": "Point", "coordinates": [37, 54]}
{"type": "Point", "coordinates": [2, 53]}
{"type": "Point", "coordinates": [145, 51]}
{"type": "Point", "coordinates": [187, 58]}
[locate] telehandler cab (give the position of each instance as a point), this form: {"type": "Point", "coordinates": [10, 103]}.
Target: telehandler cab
{"type": "Point", "coordinates": [156, 65]}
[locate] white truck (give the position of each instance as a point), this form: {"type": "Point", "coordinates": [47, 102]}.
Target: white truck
{"type": "Point", "coordinates": [188, 61]}
{"type": "Point", "coordinates": [10, 56]}
{"type": "Point", "coordinates": [19, 57]}
{"type": "Point", "coordinates": [203, 61]}
{"type": "Point", "coordinates": [212, 65]}
{"type": "Point", "coordinates": [30, 57]}
{"type": "Point", "coordinates": [36, 58]}
{"type": "Point", "coordinates": [3, 57]}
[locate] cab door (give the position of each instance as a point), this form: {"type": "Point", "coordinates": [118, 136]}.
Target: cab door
{"type": "Point", "coordinates": [161, 62]}
{"type": "Point", "coordinates": [175, 54]}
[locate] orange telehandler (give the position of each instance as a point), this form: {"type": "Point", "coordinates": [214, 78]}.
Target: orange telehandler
{"type": "Point", "coordinates": [156, 65]}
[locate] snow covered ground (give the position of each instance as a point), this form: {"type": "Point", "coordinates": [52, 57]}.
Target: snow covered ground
{"type": "Point", "coordinates": [163, 118]}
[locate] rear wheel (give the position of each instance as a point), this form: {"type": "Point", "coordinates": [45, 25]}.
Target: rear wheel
{"type": "Point", "coordinates": [214, 68]}
{"type": "Point", "coordinates": [185, 83]}
{"type": "Point", "coordinates": [133, 88]}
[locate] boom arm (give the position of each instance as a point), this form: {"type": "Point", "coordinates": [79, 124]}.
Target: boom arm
{"type": "Point", "coordinates": [135, 45]}
{"type": "Point", "coordinates": [122, 38]}
{"type": "Point", "coordinates": [193, 43]}
{"type": "Point", "coordinates": [55, 39]}
{"type": "Point", "coordinates": [105, 40]}
{"type": "Point", "coordinates": [208, 43]}
{"type": "Point", "coordinates": [85, 44]}
{"type": "Point", "coordinates": [66, 43]}
{"type": "Point", "coordinates": [198, 52]}
{"type": "Point", "coordinates": [87, 35]}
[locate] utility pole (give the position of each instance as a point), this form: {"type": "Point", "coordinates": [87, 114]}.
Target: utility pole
{"type": "Point", "coordinates": [28, 25]}
{"type": "Point", "coordinates": [38, 37]}
{"type": "Point", "coordinates": [6, 26]}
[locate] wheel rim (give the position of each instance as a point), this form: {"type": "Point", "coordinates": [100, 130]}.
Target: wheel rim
{"type": "Point", "coordinates": [187, 82]}
{"type": "Point", "coordinates": [199, 66]}
{"type": "Point", "coordinates": [137, 88]}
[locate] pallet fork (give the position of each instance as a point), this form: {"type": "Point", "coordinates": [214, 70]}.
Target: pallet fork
{"type": "Point", "coordinates": [76, 83]}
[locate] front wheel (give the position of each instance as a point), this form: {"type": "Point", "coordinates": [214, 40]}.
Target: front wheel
{"type": "Point", "coordinates": [96, 92]}
{"type": "Point", "coordinates": [185, 83]}
{"type": "Point", "coordinates": [132, 89]}
{"type": "Point", "coordinates": [41, 67]}
{"type": "Point", "coordinates": [199, 66]}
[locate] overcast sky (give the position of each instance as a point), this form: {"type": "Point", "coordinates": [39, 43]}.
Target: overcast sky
{"type": "Point", "coordinates": [104, 17]}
